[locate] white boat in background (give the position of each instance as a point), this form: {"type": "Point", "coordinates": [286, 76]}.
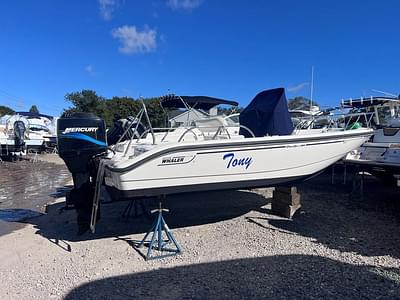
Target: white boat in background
{"type": "Point", "coordinates": [35, 132]}
{"type": "Point", "coordinates": [41, 128]}
{"type": "Point", "coordinates": [379, 156]}
{"type": "Point", "coordinates": [12, 135]}
{"type": "Point", "coordinates": [303, 119]}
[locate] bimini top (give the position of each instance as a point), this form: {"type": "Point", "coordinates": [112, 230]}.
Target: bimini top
{"type": "Point", "coordinates": [198, 102]}
{"type": "Point", "coordinates": [267, 114]}
{"type": "Point", "coordinates": [366, 102]}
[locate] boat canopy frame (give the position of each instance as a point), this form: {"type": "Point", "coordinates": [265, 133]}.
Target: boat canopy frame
{"type": "Point", "coordinates": [348, 121]}
{"type": "Point", "coordinates": [197, 102]}
{"type": "Point", "coordinates": [376, 102]}
{"type": "Point", "coordinates": [143, 115]}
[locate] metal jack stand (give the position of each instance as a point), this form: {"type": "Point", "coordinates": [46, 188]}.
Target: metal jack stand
{"type": "Point", "coordinates": [358, 186]}
{"type": "Point", "coordinates": [157, 241]}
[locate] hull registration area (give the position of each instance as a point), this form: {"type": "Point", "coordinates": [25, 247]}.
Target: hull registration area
{"type": "Point", "coordinates": [235, 162]}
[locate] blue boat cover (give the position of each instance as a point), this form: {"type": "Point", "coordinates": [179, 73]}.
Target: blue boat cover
{"type": "Point", "coordinates": [267, 114]}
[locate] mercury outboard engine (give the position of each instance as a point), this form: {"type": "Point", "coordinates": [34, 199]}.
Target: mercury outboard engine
{"type": "Point", "coordinates": [19, 136]}
{"type": "Point", "coordinates": [81, 137]}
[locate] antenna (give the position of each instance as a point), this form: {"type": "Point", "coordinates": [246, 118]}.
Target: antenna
{"type": "Point", "coordinates": [312, 87]}
{"type": "Point", "coordinates": [385, 93]}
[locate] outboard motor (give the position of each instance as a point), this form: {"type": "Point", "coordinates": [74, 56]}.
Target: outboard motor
{"type": "Point", "coordinates": [19, 136]}
{"type": "Point", "coordinates": [80, 138]}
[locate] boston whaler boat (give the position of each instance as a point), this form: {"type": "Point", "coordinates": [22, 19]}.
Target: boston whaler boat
{"type": "Point", "coordinates": [264, 153]}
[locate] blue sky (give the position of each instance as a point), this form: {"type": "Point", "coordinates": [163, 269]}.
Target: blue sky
{"type": "Point", "coordinates": [228, 49]}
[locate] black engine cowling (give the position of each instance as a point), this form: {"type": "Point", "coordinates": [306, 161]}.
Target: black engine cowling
{"type": "Point", "coordinates": [80, 138]}
{"type": "Point", "coordinates": [19, 135]}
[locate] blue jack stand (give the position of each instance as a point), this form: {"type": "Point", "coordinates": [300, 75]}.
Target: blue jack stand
{"type": "Point", "coordinates": [157, 241]}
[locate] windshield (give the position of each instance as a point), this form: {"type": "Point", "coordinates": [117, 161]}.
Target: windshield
{"type": "Point", "coordinates": [232, 120]}
{"type": "Point", "coordinates": [37, 127]}
{"type": "Point", "coordinates": [386, 114]}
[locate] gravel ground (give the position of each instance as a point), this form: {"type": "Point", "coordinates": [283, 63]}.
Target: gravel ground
{"type": "Point", "coordinates": [336, 246]}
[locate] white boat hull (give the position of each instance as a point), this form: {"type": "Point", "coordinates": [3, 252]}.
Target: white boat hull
{"type": "Point", "coordinates": [381, 157]}
{"type": "Point", "coordinates": [229, 164]}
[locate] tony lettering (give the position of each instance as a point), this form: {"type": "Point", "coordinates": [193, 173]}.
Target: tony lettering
{"type": "Point", "coordinates": [236, 162]}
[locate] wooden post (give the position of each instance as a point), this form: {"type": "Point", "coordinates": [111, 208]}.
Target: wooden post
{"type": "Point", "coordinates": [285, 201]}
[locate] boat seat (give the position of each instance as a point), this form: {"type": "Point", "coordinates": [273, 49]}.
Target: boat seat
{"type": "Point", "coordinates": [179, 134]}
{"type": "Point", "coordinates": [390, 131]}
{"type": "Point", "coordinates": [210, 126]}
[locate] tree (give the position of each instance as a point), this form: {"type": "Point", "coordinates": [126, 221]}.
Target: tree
{"type": "Point", "coordinates": [115, 108]}
{"type": "Point", "coordinates": [4, 110]}
{"type": "Point", "coordinates": [85, 101]}
{"type": "Point", "coordinates": [301, 103]}
{"type": "Point", "coordinates": [120, 107]}
{"type": "Point", "coordinates": [157, 115]}
{"type": "Point", "coordinates": [228, 111]}
{"type": "Point", "coordinates": [34, 109]}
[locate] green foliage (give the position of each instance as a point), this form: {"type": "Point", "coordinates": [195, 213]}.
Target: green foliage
{"type": "Point", "coordinates": [4, 110]}
{"type": "Point", "coordinates": [85, 101]}
{"type": "Point", "coordinates": [158, 117]}
{"type": "Point", "coordinates": [118, 108]}
{"type": "Point", "coordinates": [230, 110]}
{"type": "Point", "coordinates": [301, 103]}
{"type": "Point", "coordinates": [115, 108]}
{"type": "Point", "coordinates": [34, 109]}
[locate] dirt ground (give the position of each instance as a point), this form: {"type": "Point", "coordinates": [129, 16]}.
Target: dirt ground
{"type": "Point", "coordinates": [26, 186]}
{"type": "Point", "coordinates": [337, 246]}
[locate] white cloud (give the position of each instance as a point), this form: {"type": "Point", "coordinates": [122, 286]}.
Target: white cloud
{"type": "Point", "coordinates": [107, 8]}
{"type": "Point", "coordinates": [135, 41]}
{"type": "Point", "coordinates": [89, 69]}
{"type": "Point", "coordinates": [298, 87]}
{"type": "Point", "coordinates": [184, 4]}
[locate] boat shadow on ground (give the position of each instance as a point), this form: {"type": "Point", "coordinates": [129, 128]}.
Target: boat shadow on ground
{"type": "Point", "coordinates": [275, 277]}
{"type": "Point", "coordinates": [330, 215]}
{"type": "Point", "coordinates": [184, 210]}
